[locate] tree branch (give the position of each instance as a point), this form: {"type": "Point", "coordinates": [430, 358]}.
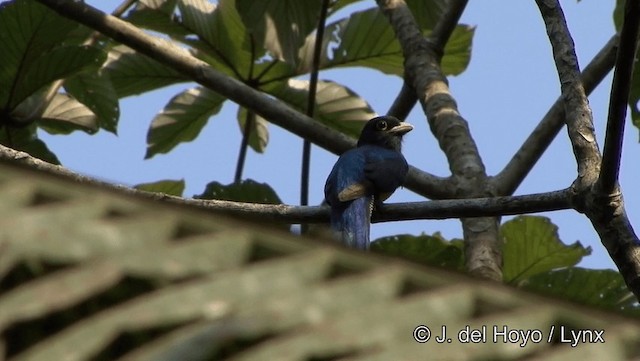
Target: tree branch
{"type": "Point", "coordinates": [281, 213]}
{"type": "Point", "coordinates": [482, 244]}
{"type": "Point", "coordinates": [407, 98]}
{"type": "Point", "coordinates": [508, 180]}
{"type": "Point", "coordinates": [619, 98]}
{"type": "Point", "coordinates": [605, 210]}
{"type": "Point", "coordinates": [200, 72]}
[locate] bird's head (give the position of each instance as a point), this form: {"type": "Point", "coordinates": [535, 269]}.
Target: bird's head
{"type": "Point", "coordinates": [385, 131]}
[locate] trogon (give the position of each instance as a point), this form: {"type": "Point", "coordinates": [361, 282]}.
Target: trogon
{"type": "Point", "coordinates": [365, 176]}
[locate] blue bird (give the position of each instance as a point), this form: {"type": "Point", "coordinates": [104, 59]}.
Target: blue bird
{"type": "Point", "coordinates": [364, 176]}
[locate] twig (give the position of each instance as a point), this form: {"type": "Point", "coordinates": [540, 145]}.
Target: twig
{"type": "Point", "coordinates": [619, 98]}
{"type": "Point", "coordinates": [200, 72]}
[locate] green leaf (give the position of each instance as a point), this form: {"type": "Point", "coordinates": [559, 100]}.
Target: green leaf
{"type": "Point", "coordinates": [336, 105]}
{"type": "Point", "coordinates": [94, 89]}
{"type": "Point", "coordinates": [26, 140]}
{"type": "Point", "coordinates": [602, 288]}
{"type": "Point", "coordinates": [65, 114]}
{"type": "Point", "coordinates": [433, 250]}
{"type": "Point", "coordinates": [532, 246]}
{"type": "Point", "coordinates": [28, 30]}
{"type": "Point", "coordinates": [366, 39]}
{"type": "Point", "coordinates": [170, 187]}
{"type": "Point", "coordinates": [281, 26]}
{"type": "Point", "coordinates": [258, 133]}
{"type": "Point", "coordinates": [55, 64]}
{"type": "Point", "coordinates": [182, 119]}
{"type": "Point", "coordinates": [247, 191]}
{"type": "Point", "coordinates": [220, 27]}
{"type": "Point", "coordinates": [133, 73]}
{"type": "Point", "coordinates": [157, 15]}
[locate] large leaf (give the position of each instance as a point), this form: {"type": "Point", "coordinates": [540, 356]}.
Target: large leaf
{"type": "Point", "coordinates": [336, 106]}
{"type": "Point", "coordinates": [28, 30]}
{"type": "Point", "coordinates": [170, 187]}
{"type": "Point", "coordinates": [433, 250]}
{"type": "Point", "coordinates": [65, 114]}
{"type": "Point", "coordinates": [603, 288]}
{"type": "Point", "coordinates": [133, 73]}
{"type": "Point", "coordinates": [221, 28]}
{"type": "Point", "coordinates": [26, 140]}
{"type": "Point", "coordinates": [280, 25]}
{"type": "Point", "coordinates": [58, 63]}
{"type": "Point", "coordinates": [94, 89]}
{"type": "Point", "coordinates": [532, 246]}
{"type": "Point", "coordinates": [182, 119]}
{"type": "Point", "coordinates": [157, 15]}
{"type": "Point", "coordinates": [248, 191]}
{"type": "Point", "coordinates": [366, 39]}
{"type": "Point", "coordinates": [258, 131]}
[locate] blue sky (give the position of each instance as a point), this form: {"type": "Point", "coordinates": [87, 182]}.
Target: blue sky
{"type": "Point", "coordinates": [509, 85]}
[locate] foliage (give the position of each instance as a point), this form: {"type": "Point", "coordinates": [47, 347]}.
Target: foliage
{"type": "Point", "coordinates": [256, 46]}
{"type": "Point", "coordinates": [534, 258]}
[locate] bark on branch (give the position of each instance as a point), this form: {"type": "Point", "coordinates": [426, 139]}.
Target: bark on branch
{"type": "Point", "coordinates": [605, 210]}
{"type": "Point", "coordinates": [422, 68]}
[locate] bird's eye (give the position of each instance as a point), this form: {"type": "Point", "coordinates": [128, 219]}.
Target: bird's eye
{"type": "Point", "coordinates": [382, 125]}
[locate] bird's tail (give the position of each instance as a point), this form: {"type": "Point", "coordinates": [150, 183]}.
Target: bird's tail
{"type": "Point", "coordinates": [351, 223]}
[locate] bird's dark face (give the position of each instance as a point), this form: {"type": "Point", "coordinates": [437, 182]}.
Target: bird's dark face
{"type": "Point", "coordinates": [385, 131]}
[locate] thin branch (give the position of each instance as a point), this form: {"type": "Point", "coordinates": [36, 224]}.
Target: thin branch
{"type": "Point", "coordinates": [404, 102]}
{"type": "Point", "coordinates": [281, 213]}
{"type": "Point", "coordinates": [311, 102]}
{"type": "Point", "coordinates": [249, 121]}
{"type": "Point", "coordinates": [525, 158]}
{"type": "Point", "coordinates": [200, 72]}
{"type": "Point", "coordinates": [619, 98]}
{"type": "Point", "coordinates": [605, 210]}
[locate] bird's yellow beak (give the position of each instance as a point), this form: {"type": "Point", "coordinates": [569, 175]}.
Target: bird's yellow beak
{"type": "Point", "coordinates": [401, 129]}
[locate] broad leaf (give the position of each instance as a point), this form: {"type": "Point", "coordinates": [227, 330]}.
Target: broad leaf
{"type": "Point", "coordinates": [133, 73]}
{"type": "Point", "coordinates": [26, 140]}
{"type": "Point", "coordinates": [258, 132]}
{"type": "Point", "coordinates": [336, 106]}
{"type": "Point", "coordinates": [247, 191]}
{"type": "Point", "coordinates": [221, 28]}
{"type": "Point", "coordinates": [280, 26]}
{"type": "Point", "coordinates": [65, 114]}
{"type": "Point", "coordinates": [366, 39]}
{"type": "Point", "coordinates": [95, 90]}
{"type": "Point", "coordinates": [433, 250]}
{"type": "Point", "coordinates": [182, 119]}
{"type": "Point", "coordinates": [170, 187]}
{"type": "Point", "coordinates": [58, 63]}
{"type": "Point", "coordinates": [603, 288]}
{"type": "Point", "coordinates": [29, 30]}
{"type": "Point", "coordinates": [532, 246]}
{"type": "Point", "coordinates": [157, 15]}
